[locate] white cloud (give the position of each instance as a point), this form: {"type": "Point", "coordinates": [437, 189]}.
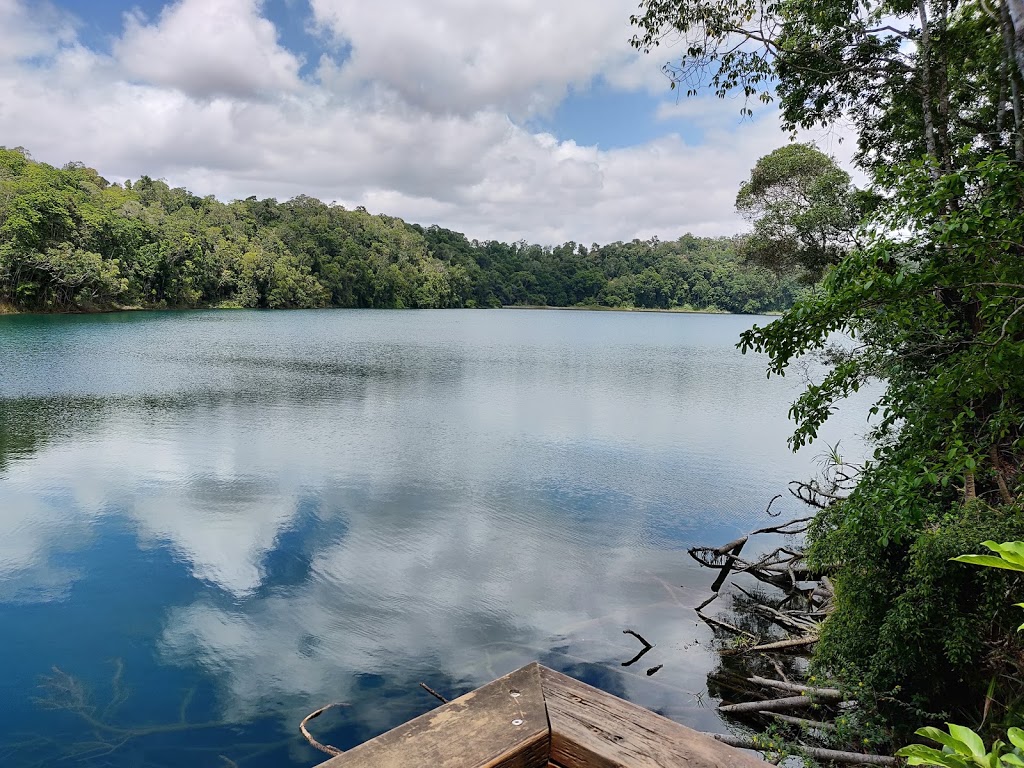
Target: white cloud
{"type": "Point", "coordinates": [29, 31]}
{"type": "Point", "coordinates": [208, 48]}
{"type": "Point", "coordinates": [418, 121]}
{"type": "Point", "coordinates": [464, 56]}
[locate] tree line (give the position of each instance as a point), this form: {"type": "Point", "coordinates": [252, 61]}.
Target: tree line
{"type": "Point", "coordinates": [71, 240]}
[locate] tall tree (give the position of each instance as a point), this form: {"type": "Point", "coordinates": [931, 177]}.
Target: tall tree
{"type": "Point", "coordinates": [803, 208]}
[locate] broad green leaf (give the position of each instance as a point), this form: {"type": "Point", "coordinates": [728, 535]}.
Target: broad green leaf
{"type": "Point", "coordinates": [1016, 735]}
{"type": "Point", "coordinates": [969, 738]}
{"type": "Point", "coordinates": [945, 739]}
{"type": "Point", "coordinates": [1010, 550]}
{"type": "Point", "coordinates": [918, 754]}
{"type": "Point", "coordinates": [1012, 760]}
{"type": "Point", "coordinates": [990, 561]}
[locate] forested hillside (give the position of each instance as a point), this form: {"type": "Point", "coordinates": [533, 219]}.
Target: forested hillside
{"type": "Point", "coordinates": [70, 240]}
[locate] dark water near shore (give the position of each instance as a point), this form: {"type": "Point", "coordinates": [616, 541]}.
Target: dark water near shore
{"type": "Point", "coordinates": [212, 523]}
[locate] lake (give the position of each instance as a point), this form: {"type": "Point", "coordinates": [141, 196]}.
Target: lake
{"type": "Point", "coordinates": [212, 523]}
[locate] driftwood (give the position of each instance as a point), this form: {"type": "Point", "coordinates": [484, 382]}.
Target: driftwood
{"type": "Point", "coordinates": [781, 645]}
{"type": "Point", "coordinates": [709, 601]}
{"type": "Point", "coordinates": [647, 646]}
{"type": "Point", "coordinates": [822, 694]}
{"type": "Point", "coordinates": [832, 755]}
{"type": "Point", "coordinates": [768, 705]}
{"type": "Point", "coordinates": [724, 625]}
{"type": "Point", "coordinates": [803, 722]}
{"type": "Point", "coordinates": [433, 693]}
{"type": "Point", "coordinates": [640, 655]}
{"type": "Point", "coordinates": [309, 737]}
{"type": "Point", "coordinates": [808, 597]}
{"type": "Point", "coordinates": [793, 623]}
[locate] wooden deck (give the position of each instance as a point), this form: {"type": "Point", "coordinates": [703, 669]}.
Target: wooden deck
{"type": "Point", "coordinates": [538, 718]}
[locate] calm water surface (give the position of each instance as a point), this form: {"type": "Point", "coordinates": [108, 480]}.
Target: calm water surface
{"type": "Point", "coordinates": [212, 523]}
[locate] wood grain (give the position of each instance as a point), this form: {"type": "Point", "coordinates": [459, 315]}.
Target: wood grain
{"type": "Point", "coordinates": [473, 731]}
{"type": "Point", "coordinates": [593, 729]}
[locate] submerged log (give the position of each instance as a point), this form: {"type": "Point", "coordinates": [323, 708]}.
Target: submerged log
{"type": "Point", "coordinates": [831, 755]}
{"type": "Point", "coordinates": [782, 645]}
{"type": "Point", "coordinates": [822, 694]}
{"type": "Point", "coordinates": [803, 722]}
{"type": "Point", "coordinates": [768, 705]}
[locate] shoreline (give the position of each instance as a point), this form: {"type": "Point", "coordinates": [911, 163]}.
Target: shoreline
{"type": "Point", "coordinates": [8, 310]}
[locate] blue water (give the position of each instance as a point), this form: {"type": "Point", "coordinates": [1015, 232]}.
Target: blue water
{"type": "Point", "coordinates": [212, 523]}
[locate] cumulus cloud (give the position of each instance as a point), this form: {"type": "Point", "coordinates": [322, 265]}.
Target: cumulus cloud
{"type": "Point", "coordinates": [27, 32]}
{"type": "Point", "coordinates": [208, 48]}
{"type": "Point", "coordinates": [413, 113]}
{"type": "Point", "coordinates": [464, 56]}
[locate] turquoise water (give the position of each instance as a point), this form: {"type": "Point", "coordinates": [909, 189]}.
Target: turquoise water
{"type": "Point", "coordinates": [212, 523]}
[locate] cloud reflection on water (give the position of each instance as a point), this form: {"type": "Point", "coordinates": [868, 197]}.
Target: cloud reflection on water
{"type": "Point", "coordinates": [358, 501]}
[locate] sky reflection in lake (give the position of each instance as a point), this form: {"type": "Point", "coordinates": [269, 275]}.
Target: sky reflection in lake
{"type": "Point", "coordinates": [253, 514]}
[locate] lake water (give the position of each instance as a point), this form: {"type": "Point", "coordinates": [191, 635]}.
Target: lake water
{"type": "Point", "coordinates": [212, 523]}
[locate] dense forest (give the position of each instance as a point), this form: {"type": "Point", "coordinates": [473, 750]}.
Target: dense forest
{"type": "Point", "coordinates": [929, 288]}
{"type": "Point", "coordinates": [71, 240]}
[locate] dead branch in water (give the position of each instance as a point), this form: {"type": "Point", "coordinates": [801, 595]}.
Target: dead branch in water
{"type": "Point", "coordinates": [725, 625]}
{"type": "Point", "coordinates": [781, 645]}
{"type": "Point", "coordinates": [828, 755]}
{"type": "Point", "coordinates": [640, 655]}
{"type": "Point", "coordinates": [639, 637]}
{"type": "Point", "coordinates": [768, 705]}
{"type": "Point", "coordinates": [433, 693]}
{"type": "Point", "coordinates": [309, 737]}
{"type": "Point", "coordinates": [822, 694]}
{"type": "Point", "coordinates": [803, 722]}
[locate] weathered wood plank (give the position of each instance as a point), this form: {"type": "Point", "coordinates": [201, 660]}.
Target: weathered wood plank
{"type": "Point", "coordinates": [593, 729]}
{"type": "Point", "coordinates": [487, 728]}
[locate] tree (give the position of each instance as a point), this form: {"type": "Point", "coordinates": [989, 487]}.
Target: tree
{"type": "Point", "coordinates": [904, 74]}
{"type": "Point", "coordinates": [932, 296]}
{"type": "Point", "coordinates": [803, 208]}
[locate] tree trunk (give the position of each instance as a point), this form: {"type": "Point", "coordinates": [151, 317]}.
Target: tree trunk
{"type": "Point", "coordinates": [997, 463]}
{"type": "Point", "coordinates": [942, 94]}
{"type": "Point", "coordinates": [1016, 76]}
{"type": "Point", "coordinates": [1015, 8]}
{"type": "Point", "coordinates": [926, 88]}
{"type": "Point", "coordinates": [969, 492]}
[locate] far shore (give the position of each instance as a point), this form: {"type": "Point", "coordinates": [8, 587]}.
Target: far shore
{"type": "Point", "coordinates": [597, 308]}
{"type": "Point", "coordinates": [9, 309]}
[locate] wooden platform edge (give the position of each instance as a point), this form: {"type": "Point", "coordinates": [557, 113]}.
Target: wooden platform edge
{"type": "Point", "coordinates": [594, 729]}
{"type": "Point", "coordinates": [538, 718]}
{"type": "Point", "coordinates": [507, 721]}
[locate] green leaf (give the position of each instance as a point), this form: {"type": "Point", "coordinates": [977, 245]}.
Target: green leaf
{"type": "Point", "coordinates": [1016, 735]}
{"type": "Point", "coordinates": [1010, 550]}
{"type": "Point", "coordinates": [969, 738]}
{"type": "Point", "coordinates": [945, 739]}
{"type": "Point", "coordinates": [918, 754]}
{"type": "Point", "coordinates": [988, 560]}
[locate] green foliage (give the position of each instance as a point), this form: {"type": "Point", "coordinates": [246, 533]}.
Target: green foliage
{"type": "Point", "coordinates": [928, 300]}
{"type": "Point", "coordinates": [1009, 556]}
{"type": "Point", "coordinates": [945, 333]}
{"type": "Point", "coordinates": [803, 208]}
{"type": "Point", "coordinates": [864, 63]}
{"type": "Point", "coordinates": [907, 617]}
{"type": "Point", "coordinates": [963, 748]}
{"type": "Point", "coordinates": [71, 240]}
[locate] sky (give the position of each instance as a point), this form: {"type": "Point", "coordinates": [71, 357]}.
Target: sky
{"type": "Point", "coordinates": [507, 119]}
